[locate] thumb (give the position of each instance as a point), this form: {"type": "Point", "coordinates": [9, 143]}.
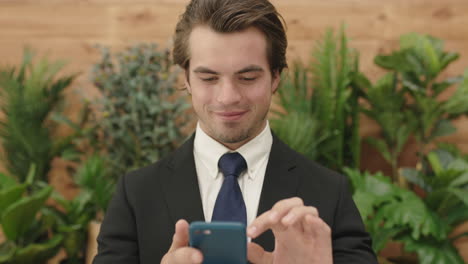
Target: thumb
{"type": "Point", "coordinates": [181, 236]}
{"type": "Point", "coordinates": [256, 254]}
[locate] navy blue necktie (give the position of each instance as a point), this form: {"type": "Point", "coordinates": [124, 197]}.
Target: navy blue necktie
{"type": "Point", "coordinates": [229, 204]}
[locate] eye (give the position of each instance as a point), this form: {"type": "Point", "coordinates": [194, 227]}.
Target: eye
{"type": "Point", "coordinates": [209, 79]}
{"type": "Point", "coordinates": [248, 78]}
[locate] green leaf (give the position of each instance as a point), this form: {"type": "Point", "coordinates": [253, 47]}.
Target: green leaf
{"type": "Point", "coordinates": [7, 250]}
{"type": "Point", "coordinates": [439, 87]}
{"type": "Point", "coordinates": [409, 210]}
{"type": "Point", "coordinates": [365, 203]}
{"type": "Point", "coordinates": [59, 118]}
{"type": "Point", "coordinates": [429, 251]}
{"type": "Point", "coordinates": [456, 104]}
{"type": "Point", "coordinates": [31, 173]}
{"type": "Point", "coordinates": [6, 181]}
{"type": "Point", "coordinates": [435, 162]}
{"type": "Point", "coordinates": [18, 217]}
{"type": "Point", "coordinates": [414, 176]}
{"type": "Point", "coordinates": [299, 131]}
{"type": "Point", "coordinates": [460, 194]}
{"type": "Point", "coordinates": [38, 253]}
{"type": "Point", "coordinates": [396, 61]}
{"type": "Point", "coordinates": [442, 128]}
{"type": "Point", "coordinates": [9, 196]}
{"type": "Point", "coordinates": [381, 146]}
{"type": "Point", "coordinates": [448, 58]}
{"type": "Point", "coordinates": [382, 236]}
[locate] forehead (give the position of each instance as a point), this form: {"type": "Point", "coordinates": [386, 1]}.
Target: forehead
{"type": "Point", "coordinates": [226, 52]}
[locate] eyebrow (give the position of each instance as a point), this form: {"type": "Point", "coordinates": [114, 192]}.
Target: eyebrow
{"type": "Point", "coordinates": [250, 68]}
{"type": "Point", "coordinates": [202, 69]}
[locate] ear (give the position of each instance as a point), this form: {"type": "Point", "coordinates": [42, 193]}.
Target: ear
{"type": "Point", "coordinates": [276, 77]}
{"type": "Point", "coordinates": [187, 82]}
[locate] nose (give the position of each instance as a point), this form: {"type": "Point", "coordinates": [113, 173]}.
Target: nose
{"type": "Point", "coordinates": [228, 93]}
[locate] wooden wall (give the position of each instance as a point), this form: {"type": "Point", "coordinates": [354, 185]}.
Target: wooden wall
{"type": "Point", "coordinates": [69, 29]}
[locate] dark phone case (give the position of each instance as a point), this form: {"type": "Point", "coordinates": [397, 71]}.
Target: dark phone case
{"type": "Point", "coordinates": [226, 242]}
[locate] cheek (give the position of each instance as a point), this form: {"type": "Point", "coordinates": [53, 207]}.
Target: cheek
{"type": "Point", "coordinates": [260, 95]}
{"type": "Point", "coordinates": [201, 96]}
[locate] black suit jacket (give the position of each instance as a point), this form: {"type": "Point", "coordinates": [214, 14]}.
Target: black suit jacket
{"type": "Point", "coordinates": [139, 223]}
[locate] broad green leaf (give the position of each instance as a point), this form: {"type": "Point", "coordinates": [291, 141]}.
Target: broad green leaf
{"type": "Point", "coordinates": [461, 194]}
{"type": "Point", "coordinates": [378, 184]}
{"type": "Point", "coordinates": [6, 181]}
{"type": "Point", "coordinates": [10, 195]}
{"type": "Point", "coordinates": [456, 104]}
{"type": "Point", "coordinates": [17, 218]}
{"type": "Point", "coordinates": [448, 58]}
{"type": "Point", "coordinates": [439, 87]}
{"type": "Point", "coordinates": [414, 176]}
{"type": "Point", "coordinates": [38, 253]}
{"type": "Point", "coordinates": [433, 252]}
{"type": "Point", "coordinates": [413, 213]}
{"type": "Point", "coordinates": [442, 128]}
{"type": "Point", "coordinates": [365, 202]}
{"type": "Point", "coordinates": [395, 61]}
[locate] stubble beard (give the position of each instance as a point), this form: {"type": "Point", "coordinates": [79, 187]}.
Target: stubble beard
{"type": "Point", "coordinates": [236, 133]}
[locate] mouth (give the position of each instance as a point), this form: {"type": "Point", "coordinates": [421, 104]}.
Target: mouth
{"type": "Point", "coordinates": [231, 115]}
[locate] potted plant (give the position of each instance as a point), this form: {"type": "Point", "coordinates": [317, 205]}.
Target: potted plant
{"type": "Point", "coordinates": [28, 231]}
{"type": "Point", "coordinates": [319, 110]}
{"type": "Point", "coordinates": [31, 100]}
{"type": "Point", "coordinates": [142, 118]}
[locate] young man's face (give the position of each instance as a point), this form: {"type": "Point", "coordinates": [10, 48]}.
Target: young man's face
{"type": "Point", "coordinates": [231, 83]}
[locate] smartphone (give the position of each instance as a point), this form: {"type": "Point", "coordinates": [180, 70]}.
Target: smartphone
{"type": "Point", "coordinates": [220, 242]}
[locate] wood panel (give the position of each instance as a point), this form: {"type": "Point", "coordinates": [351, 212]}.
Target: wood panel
{"type": "Point", "coordinates": [70, 29]}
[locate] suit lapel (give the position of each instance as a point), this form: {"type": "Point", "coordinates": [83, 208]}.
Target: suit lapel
{"type": "Point", "coordinates": [279, 183]}
{"type": "Point", "coordinates": [180, 185]}
{"type": "Point", "coordinates": [182, 192]}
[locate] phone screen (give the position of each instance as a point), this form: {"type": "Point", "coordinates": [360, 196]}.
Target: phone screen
{"type": "Point", "coordinates": [220, 242]}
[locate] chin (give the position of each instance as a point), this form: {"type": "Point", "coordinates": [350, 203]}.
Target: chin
{"type": "Point", "coordinates": [231, 138]}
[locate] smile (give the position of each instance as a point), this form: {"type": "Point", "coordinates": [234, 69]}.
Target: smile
{"type": "Point", "coordinates": [231, 115]}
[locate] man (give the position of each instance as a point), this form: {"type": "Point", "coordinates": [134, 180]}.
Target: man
{"type": "Point", "coordinates": [233, 52]}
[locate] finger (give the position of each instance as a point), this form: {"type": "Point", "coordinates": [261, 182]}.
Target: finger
{"type": "Point", "coordinates": [315, 227]}
{"type": "Point", "coordinates": [181, 236]}
{"type": "Point", "coordinates": [256, 254]}
{"type": "Point", "coordinates": [183, 255]}
{"type": "Point", "coordinates": [297, 214]}
{"type": "Point", "coordinates": [271, 218]}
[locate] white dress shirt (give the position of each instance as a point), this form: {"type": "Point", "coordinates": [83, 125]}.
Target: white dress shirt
{"type": "Point", "coordinates": [207, 152]}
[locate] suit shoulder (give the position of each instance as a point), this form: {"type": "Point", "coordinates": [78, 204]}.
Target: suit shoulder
{"type": "Point", "coordinates": [309, 168]}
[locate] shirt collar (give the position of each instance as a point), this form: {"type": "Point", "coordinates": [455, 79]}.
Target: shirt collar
{"type": "Point", "coordinates": [209, 150]}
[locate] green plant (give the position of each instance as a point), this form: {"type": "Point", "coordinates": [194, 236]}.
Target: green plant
{"type": "Point", "coordinates": [71, 221]}
{"type": "Point", "coordinates": [26, 230]}
{"type": "Point", "coordinates": [72, 217]}
{"type": "Point", "coordinates": [142, 116]}
{"type": "Point", "coordinates": [320, 116]}
{"type": "Point", "coordinates": [388, 107]}
{"type": "Point", "coordinates": [30, 95]}
{"type": "Point", "coordinates": [423, 225]}
{"type": "Point", "coordinates": [417, 68]}
{"type": "Point", "coordinates": [93, 177]}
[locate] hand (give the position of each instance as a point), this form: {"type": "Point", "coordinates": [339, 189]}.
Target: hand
{"type": "Point", "coordinates": [300, 235]}
{"type": "Point", "coordinates": [180, 252]}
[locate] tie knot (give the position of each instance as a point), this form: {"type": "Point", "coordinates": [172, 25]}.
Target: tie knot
{"type": "Point", "coordinates": [232, 164]}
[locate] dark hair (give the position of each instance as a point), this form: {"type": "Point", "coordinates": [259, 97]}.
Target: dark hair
{"type": "Point", "coordinates": [226, 16]}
